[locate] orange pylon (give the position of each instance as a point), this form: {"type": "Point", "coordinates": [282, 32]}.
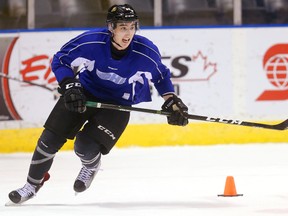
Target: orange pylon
{"type": "Point", "coordinates": [230, 188]}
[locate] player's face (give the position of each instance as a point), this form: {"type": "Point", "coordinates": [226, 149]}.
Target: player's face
{"type": "Point", "coordinates": [123, 34]}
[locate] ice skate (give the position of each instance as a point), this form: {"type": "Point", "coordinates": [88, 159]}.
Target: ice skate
{"type": "Point", "coordinates": [28, 191]}
{"type": "Point", "coordinates": [23, 194]}
{"type": "Point", "coordinates": [84, 179]}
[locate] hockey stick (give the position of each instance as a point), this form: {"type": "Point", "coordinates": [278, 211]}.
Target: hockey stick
{"type": "Point", "coordinates": [281, 126]}
{"type": "Point", "coordinates": [24, 81]}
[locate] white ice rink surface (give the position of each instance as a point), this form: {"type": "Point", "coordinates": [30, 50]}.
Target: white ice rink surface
{"type": "Point", "coordinates": [164, 181]}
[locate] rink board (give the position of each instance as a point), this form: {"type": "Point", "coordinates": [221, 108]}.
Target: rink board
{"type": "Point", "coordinates": [152, 135]}
{"type": "Point", "coordinates": [219, 72]}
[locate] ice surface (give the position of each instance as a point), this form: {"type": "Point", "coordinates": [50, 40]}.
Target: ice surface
{"type": "Point", "coordinates": [159, 181]}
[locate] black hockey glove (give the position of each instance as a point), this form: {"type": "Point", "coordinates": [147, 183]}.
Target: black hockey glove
{"type": "Point", "coordinates": [72, 92]}
{"type": "Point", "coordinates": [178, 110]}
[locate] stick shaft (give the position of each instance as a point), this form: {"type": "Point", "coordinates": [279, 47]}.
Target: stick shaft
{"type": "Point", "coordinates": [24, 81]}
{"type": "Point", "coordinates": [281, 126]}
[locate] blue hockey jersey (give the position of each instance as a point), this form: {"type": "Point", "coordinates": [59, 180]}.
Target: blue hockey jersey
{"type": "Point", "coordinates": [124, 81]}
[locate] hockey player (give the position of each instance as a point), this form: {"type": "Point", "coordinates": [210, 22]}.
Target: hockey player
{"type": "Point", "coordinates": [111, 65]}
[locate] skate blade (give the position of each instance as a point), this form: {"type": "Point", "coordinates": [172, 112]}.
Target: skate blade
{"type": "Point", "coordinates": [10, 203]}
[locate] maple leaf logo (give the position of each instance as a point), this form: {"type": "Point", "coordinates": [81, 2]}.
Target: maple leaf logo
{"type": "Point", "coordinates": [200, 68]}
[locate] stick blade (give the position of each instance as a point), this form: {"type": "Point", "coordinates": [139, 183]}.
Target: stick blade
{"type": "Point", "coordinates": [283, 125]}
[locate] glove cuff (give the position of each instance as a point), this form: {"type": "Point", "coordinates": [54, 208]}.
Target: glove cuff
{"type": "Point", "coordinates": [68, 83]}
{"type": "Point", "coordinates": [168, 104]}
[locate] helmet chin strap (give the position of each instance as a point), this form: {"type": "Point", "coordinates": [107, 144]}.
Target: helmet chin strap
{"type": "Point", "coordinates": [112, 38]}
{"type": "Point", "coordinates": [113, 41]}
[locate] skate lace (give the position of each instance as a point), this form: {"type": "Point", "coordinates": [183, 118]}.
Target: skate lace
{"type": "Point", "coordinates": [85, 174]}
{"type": "Point", "coordinates": [27, 190]}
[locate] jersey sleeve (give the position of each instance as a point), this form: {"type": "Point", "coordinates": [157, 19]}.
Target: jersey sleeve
{"type": "Point", "coordinates": [164, 84]}
{"type": "Point", "coordinates": [162, 75]}
{"type": "Point", "coordinates": [60, 69]}
{"type": "Point", "coordinates": [70, 56]}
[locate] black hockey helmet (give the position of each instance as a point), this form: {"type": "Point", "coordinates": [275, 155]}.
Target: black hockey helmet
{"type": "Point", "coordinates": [117, 13]}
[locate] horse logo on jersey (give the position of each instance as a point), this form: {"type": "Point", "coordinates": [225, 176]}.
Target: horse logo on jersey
{"type": "Point", "coordinates": [110, 76]}
{"type": "Point", "coordinates": [137, 77]}
{"type": "Point", "coordinates": [81, 64]}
